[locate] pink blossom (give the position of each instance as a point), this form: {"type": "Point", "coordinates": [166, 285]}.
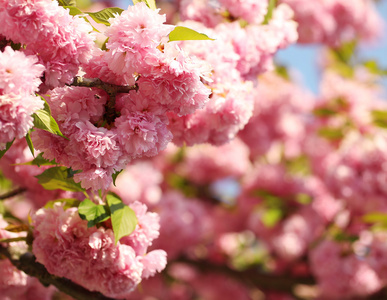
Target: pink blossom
{"type": "Point", "coordinates": [226, 113]}
{"type": "Point", "coordinates": [15, 116]}
{"type": "Point", "coordinates": [206, 163]}
{"type": "Point", "coordinates": [184, 221]}
{"type": "Point", "coordinates": [89, 257]}
{"type": "Point", "coordinates": [19, 73]}
{"type": "Point", "coordinates": [133, 40]}
{"type": "Point", "coordinates": [252, 11]}
{"type": "Point", "coordinates": [141, 182]}
{"type": "Point", "coordinates": [341, 275]}
{"type": "Point", "coordinates": [335, 21]}
{"type": "Point", "coordinates": [19, 79]}
{"type": "Point", "coordinates": [60, 41]}
{"type": "Point", "coordinates": [280, 110]}
{"type": "Point", "coordinates": [98, 151]}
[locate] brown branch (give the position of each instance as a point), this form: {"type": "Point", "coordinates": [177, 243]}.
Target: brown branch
{"type": "Point", "coordinates": [98, 83]}
{"type": "Point", "coordinates": [273, 282]}
{"type": "Point", "coordinates": [111, 89]}
{"type": "Point", "coordinates": [12, 193]}
{"type": "Point", "coordinates": [27, 263]}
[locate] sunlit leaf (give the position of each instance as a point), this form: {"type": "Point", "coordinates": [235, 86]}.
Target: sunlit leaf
{"type": "Point", "coordinates": [124, 219]}
{"type": "Point", "coordinates": [7, 146]}
{"type": "Point", "coordinates": [331, 133]}
{"type": "Point", "coordinates": [67, 2]}
{"type": "Point", "coordinates": [44, 120]}
{"type": "Point", "coordinates": [39, 160]}
{"type": "Point", "coordinates": [104, 15]}
{"type": "Point", "coordinates": [59, 178]}
{"type": "Point", "coordinates": [115, 175]}
{"type": "Point", "coordinates": [181, 33]}
{"type": "Point", "coordinates": [29, 143]}
{"type": "Point", "coordinates": [17, 227]}
{"type": "Point", "coordinates": [271, 216]}
{"type": "Point", "coordinates": [375, 217]}
{"type": "Point", "coordinates": [92, 212]}
{"type": "Point", "coordinates": [379, 118]}
{"type": "Point", "coordinates": [270, 9]}
{"type": "Point", "coordinates": [68, 202]}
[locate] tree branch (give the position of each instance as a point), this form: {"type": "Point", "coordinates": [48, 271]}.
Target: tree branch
{"type": "Point", "coordinates": [274, 282]}
{"type": "Point", "coordinates": [27, 263]}
{"type": "Point", "coordinates": [12, 193]}
{"type": "Point", "coordinates": [98, 83]}
{"type": "Point", "coordinates": [111, 89]}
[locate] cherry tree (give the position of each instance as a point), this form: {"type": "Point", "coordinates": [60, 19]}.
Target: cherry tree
{"type": "Point", "coordinates": [167, 156]}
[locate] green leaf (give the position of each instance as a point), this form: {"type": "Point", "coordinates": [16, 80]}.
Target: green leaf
{"type": "Point", "coordinates": [73, 11]}
{"type": "Point", "coordinates": [375, 217]}
{"type": "Point", "coordinates": [67, 2]}
{"type": "Point", "coordinates": [68, 202]}
{"type": "Point", "coordinates": [104, 15]}
{"type": "Point", "coordinates": [103, 47]}
{"type": "Point", "coordinates": [269, 199]}
{"type": "Point", "coordinates": [345, 52]}
{"type": "Point", "coordinates": [39, 160]}
{"type": "Point", "coordinates": [271, 216]}
{"type": "Point", "coordinates": [59, 178]}
{"type": "Point", "coordinates": [150, 3]}
{"type": "Point", "coordinates": [379, 118]}
{"type": "Point", "coordinates": [7, 146]}
{"type": "Point", "coordinates": [115, 175]}
{"type": "Point", "coordinates": [374, 68]}
{"type": "Point", "coordinates": [124, 219]}
{"type": "Point", "coordinates": [324, 112]}
{"type": "Point", "coordinates": [270, 9]}
{"type": "Point", "coordinates": [92, 212]}
{"type": "Point", "coordinates": [29, 143]}
{"type": "Point", "coordinates": [304, 199]}
{"type": "Point", "coordinates": [331, 133]}
{"type": "Point", "coordinates": [44, 120]}
{"type": "Point", "coordinates": [181, 33]}
{"type": "Point", "coordinates": [17, 227]}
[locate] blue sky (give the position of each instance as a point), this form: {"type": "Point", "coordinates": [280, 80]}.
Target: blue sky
{"type": "Point", "coordinates": [303, 59]}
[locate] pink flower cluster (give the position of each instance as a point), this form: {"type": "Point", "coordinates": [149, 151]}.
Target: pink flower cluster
{"type": "Point", "coordinates": [184, 223]}
{"type": "Point", "coordinates": [335, 21]}
{"type": "Point", "coordinates": [19, 79]}
{"type": "Point", "coordinates": [170, 81]}
{"type": "Point", "coordinates": [280, 110]}
{"type": "Point", "coordinates": [211, 13]}
{"type": "Point", "coordinates": [238, 55]}
{"type": "Point", "coordinates": [15, 284]}
{"type": "Point", "coordinates": [206, 163]}
{"type": "Point", "coordinates": [358, 171]}
{"type": "Point", "coordinates": [139, 181]}
{"type": "Point", "coordinates": [89, 256]}
{"type": "Point", "coordinates": [269, 188]}
{"type": "Point", "coordinates": [60, 41]}
{"type": "Point", "coordinates": [340, 273]}
{"type": "Point", "coordinates": [23, 176]}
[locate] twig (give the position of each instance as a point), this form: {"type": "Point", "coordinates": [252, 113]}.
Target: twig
{"type": "Point", "coordinates": [274, 282]}
{"type": "Point", "coordinates": [27, 263]}
{"type": "Point", "coordinates": [111, 89]}
{"type": "Point", "coordinates": [98, 83]}
{"type": "Point", "coordinates": [12, 193]}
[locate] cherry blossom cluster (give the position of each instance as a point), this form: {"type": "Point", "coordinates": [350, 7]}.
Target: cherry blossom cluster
{"type": "Point", "coordinates": [107, 132]}
{"type": "Point", "coordinates": [285, 185]}
{"type": "Point", "coordinates": [88, 256]}
{"type": "Point", "coordinates": [19, 80]}
{"type": "Point", "coordinates": [61, 42]}
{"type": "Point", "coordinates": [332, 22]}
